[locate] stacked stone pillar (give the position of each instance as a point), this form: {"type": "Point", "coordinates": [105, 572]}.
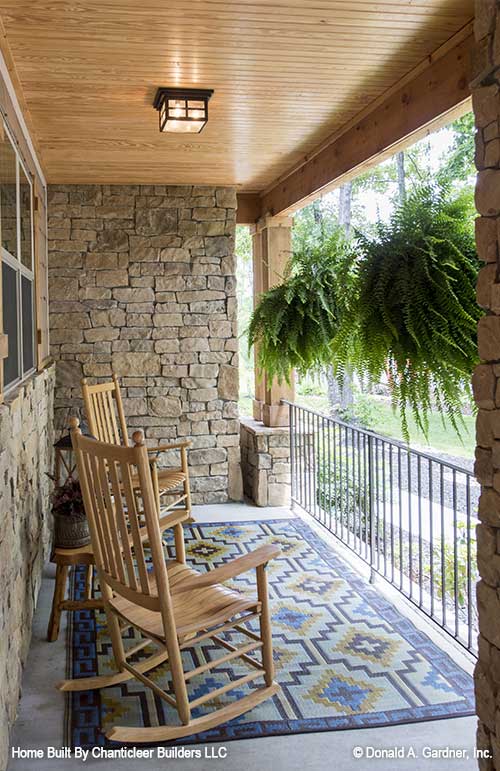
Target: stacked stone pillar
{"type": "Point", "coordinates": [486, 379]}
{"type": "Point", "coordinates": [142, 285]}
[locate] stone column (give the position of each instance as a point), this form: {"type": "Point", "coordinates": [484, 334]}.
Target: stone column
{"type": "Point", "coordinates": [271, 245]}
{"type": "Point", "coordinates": [486, 379]}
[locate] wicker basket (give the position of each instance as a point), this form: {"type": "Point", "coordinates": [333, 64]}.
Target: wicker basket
{"type": "Point", "coordinates": [71, 532]}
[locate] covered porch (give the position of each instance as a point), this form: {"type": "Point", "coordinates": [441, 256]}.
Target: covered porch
{"type": "Point", "coordinates": [118, 259]}
{"type": "Point", "coordinates": [46, 663]}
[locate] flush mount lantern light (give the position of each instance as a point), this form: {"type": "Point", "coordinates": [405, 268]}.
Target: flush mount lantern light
{"type": "Point", "coordinates": [182, 110]}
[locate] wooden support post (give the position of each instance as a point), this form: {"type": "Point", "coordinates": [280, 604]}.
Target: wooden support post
{"type": "Point", "coordinates": [271, 245]}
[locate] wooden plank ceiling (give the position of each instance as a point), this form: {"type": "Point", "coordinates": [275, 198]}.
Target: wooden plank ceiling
{"type": "Point", "coordinates": [286, 76]}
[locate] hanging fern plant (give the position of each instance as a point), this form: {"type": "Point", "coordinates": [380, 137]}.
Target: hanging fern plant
{"type": "Point", "coordinates": [294, 323]}
{"type": "Point", "coordinates": [414, 314]}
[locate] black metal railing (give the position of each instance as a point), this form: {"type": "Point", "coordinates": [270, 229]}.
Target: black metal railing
{"type": "Point", "coordinates": [409, 515]}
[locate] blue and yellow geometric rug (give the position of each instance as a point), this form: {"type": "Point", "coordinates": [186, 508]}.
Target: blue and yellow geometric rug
{"type": "Point", "coordinates": [345, 657]}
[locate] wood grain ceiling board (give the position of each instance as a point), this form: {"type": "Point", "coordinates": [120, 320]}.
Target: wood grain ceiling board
{"type": "Point", "coordinates": [286, 76]}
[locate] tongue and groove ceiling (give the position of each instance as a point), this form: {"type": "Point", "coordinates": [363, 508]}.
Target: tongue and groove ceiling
{"type": "Point", "coordinates": [286, 76]}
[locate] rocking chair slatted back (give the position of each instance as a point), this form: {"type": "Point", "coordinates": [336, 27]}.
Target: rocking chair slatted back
{"type": "Point", "coordinates": [101, 414]}
{"type": "Point", "coordinates": [118, 526]}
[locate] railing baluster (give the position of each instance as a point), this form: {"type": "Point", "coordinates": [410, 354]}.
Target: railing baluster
{"type": "Point", "coordinates": [291, 416]}
{"type": "Point", "coordinates": [341, 484]}
{"type": "Point", "coordinates": [391, 477]}
{"type": "Point", "coordinates": [347, 496]}
{"type": "Point", "coordinates": [443, 544]}
{"type": "Point", "coordinates": [455, 551]}
{"type": "Point", "coordinates": [420, 556]}
{"type": "Point", "coordinates": [359, 504]}
{"type": "Point", "coordinates": [308, 461]}
{"type": "Point", "coordinates": [384, 508]}
{"type": "Point", "coordinates": [335, 473]}
{"type": "Point", "coordinates": [400, 491]}
{"type": "Point", "coordinates": [329, 424]}
{"type": "Point", "coordinates": [371, 483]}
{"type": "Point", "coordinates": [469, 562]}
{"type": "Point", "coordinates": [410, 525]}
{"type": "Point", "coordinates": [431, 534]}
{"type": "Point", "coordinates": [366, 499]}
{"type": "Point", "coordinates": [377, 503]}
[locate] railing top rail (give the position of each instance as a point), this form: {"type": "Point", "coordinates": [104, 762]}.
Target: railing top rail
{"type": "Point", "coordinates": [385, 439]}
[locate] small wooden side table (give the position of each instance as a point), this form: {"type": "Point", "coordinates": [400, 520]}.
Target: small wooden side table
{"type": "Point", "coordinates": [64, 559]}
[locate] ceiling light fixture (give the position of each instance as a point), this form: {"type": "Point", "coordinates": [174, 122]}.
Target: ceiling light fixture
{"type": "Point", "coordinates": [182, 110]}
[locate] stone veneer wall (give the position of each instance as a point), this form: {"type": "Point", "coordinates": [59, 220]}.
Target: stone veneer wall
{"type": "Point", "coordinates": [486, 380]}
{"type": "Point", "coordinates": [26, 456]}
{"type": "Point", "coordinates": [142, 284]}
{"type": "Point", "coordinates": [265, 462]}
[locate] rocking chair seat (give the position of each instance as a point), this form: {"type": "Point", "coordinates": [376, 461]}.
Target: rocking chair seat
{"type": "Point", "coordinates": [168, 479]}
{"type": "Point", "coordinates": [194, 609]}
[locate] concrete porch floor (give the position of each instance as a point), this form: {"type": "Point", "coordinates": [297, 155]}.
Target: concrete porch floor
{"type": "Point", "coordinates": [41, 710]}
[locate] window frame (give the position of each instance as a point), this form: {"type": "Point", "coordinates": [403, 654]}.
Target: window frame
{"type": "Point", "coordinates": [15, 262]}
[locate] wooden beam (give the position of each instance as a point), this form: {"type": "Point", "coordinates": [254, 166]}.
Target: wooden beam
{"type": "Point", "coordinates": [271, 248]}
{"type": "Point", "coordinates": [433, 97]}
{"type": "Point", "coordinates": [249, 208]}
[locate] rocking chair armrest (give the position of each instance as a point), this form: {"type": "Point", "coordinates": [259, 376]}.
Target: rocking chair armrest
{"type": "Point", "coordinates": [173, 519]}
{"type": "Point", "coordinates": [173, 446]}
{"type": "Point", "coordinates": [236, 567]}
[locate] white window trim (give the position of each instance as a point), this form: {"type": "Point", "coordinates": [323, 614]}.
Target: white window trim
{"type": "Point", "coordinates": [15, 262]}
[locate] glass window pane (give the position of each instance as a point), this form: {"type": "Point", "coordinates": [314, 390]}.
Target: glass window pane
{"type": "Point", "coordinates": [8, 164]}
{"type": "Point", "coordinates": [25, 212]}
{"type": "Point", "coordinates": [9, 304]}
{"type": "Point", "coordinates": [27, 322]}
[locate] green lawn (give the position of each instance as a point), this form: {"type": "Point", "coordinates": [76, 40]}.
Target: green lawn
{"type": "Point", "coordinates": [441, 437]}
{"type": "Point", "coordinates": [383, 420]}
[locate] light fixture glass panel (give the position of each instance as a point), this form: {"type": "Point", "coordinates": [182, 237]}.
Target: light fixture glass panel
{"type": "Point", "coordinates": [176, 108]}
{"type": "Point", "coordinates": [8, 163]}
{"type": "Point", "coordinates": [196, 105]}
{"type": "Point", "coordinates": [197, 114]}
{"type": "Point", "coordinates": [184, 126]}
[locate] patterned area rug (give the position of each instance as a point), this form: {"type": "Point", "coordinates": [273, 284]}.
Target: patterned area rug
{"type": "Point", "coordinates": [345, 657]}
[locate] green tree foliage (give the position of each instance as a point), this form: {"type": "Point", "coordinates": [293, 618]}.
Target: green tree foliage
{"type": "Point", "coordinates": [458, 164]}
{"type": "Point", "coordinates": [244, 295]}
{"type": "Point", "coordinates": [294, 323]}
{"type": "Point", "coordinates": [414, 314]}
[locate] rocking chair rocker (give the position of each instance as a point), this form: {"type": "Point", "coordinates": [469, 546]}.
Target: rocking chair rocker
{"type": "Point", "coordinates": [172, 605]}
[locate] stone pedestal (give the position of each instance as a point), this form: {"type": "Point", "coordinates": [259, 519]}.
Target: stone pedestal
{"type": "Point", "coordinates": [265, 463]}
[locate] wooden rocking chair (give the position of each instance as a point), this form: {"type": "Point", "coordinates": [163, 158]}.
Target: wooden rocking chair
{"type": "Point", "coordinates": [102, 419]}
{"type": "Point", "coordinates": [172, 605]}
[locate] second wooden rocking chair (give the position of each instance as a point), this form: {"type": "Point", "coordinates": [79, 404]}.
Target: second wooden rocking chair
{"type": "Point", "coordinates": [172, 605]}
{"type": "Point", "coordinates": [109, 425]}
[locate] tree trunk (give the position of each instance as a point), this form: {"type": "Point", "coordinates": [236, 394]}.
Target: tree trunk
{"type": "Point", "coordinates": [345, 207]}
{"type": "Point", "coordinates": [341, 395]}
{"type": "Point", "coordinates": [400, 164]}
{"type": "Point", "coordinates": [333, 390]}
